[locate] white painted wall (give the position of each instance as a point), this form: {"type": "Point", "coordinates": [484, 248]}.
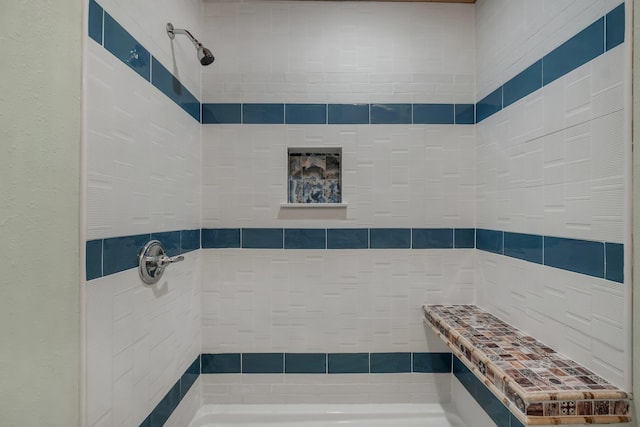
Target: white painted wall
{"type": "Point", "coordinates": [143, 176]}
{"type": "Point", "coordinates": [40, 130]}
{"type": "Point", "coordinates": [555, 163]}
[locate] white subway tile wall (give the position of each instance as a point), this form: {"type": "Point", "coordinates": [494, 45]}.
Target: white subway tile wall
{"type": "Point", "coordinates": [327, 301]}
{"type": "Point", "coordinates": [555, 163]}
{"type": "Point", "coordinates": [344, 388]}
{"type": "Point", "coordinates": [143, 176]}
{"type": "Point", "coordinates": [139, 340]}
{"type": "Point", "coordinates": [344, 52]}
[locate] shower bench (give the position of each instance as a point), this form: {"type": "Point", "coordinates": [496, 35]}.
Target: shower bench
{"type": "Point", "coordinates": [537, 384]}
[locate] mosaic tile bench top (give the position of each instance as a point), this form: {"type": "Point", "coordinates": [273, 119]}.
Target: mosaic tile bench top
{"type": "Point", "coordinates": [537, 384]}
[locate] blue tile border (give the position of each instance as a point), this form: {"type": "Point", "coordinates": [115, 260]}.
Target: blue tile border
{"type": "Point", "coordinates": [579, 256]}
{"type": "Point", "coordinates": [107, 32]}
{"type": "Point", "coordinates": [390, 238]}
{"type": "Point", "coordinates": [305, 114]}
{"type": "Point", "coordinates": [599, 37]}
{"type": "Point", "coordinates": [305, 238]}
{"type": "Point", "coordinates": [126, 48]}
{"type": "Point", "coordinates": [326, 363]}
{"type": "Point", "coordinates": [493, 406]}
{"type": "Point", "coordinates": [594, 258]}
{"type": "Point", "coordinates": [523, 246]}
{"type": "Point", "coordinates": [163, 410]}
{"type": "Point", "coordinates": [224, 363]}
{"type": "Point", "coordinates": [166, 83]}
{"type": "Point", "coordinates": [338, 114]}
{"type": "Point", "coordinates": [221, 113]}
{"type": "Point", "coordinates": [263, 363]}
{"type": "Point", "coordinates": [388, 363]}
{"type": "Point", "coordinates": [305, 363]}
{"type": "Point", "coordinates": [96, 15]}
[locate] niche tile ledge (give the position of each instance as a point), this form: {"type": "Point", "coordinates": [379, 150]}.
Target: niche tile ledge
{"type": "Point", "coordinates": [538, 385]}
{"type": "Point", "coordinates": [313, 205]}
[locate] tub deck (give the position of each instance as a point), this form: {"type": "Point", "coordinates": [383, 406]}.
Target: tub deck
{"type": "Point", "coordinates": [302, 415]}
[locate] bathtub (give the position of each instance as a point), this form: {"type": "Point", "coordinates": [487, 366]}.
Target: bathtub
{"type": "Point", "coordinates": [316, 415]}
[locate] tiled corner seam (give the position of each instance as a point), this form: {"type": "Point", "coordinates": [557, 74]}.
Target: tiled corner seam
{"type": "Point", "coordinates": [598, 38]}
{"type": "Point", "coordinates": [109, 34]}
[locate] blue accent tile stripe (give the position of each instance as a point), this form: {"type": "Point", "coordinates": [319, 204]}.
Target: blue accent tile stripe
{"type": "Point", "coordinates": [219, 238]}
{"type": "Point", "coordinates": [262, 238]}
{"type": "Point", "coordinates": [348, 114]}
{"type": "Point", "coordinates": [432, 362]}
{"type": "Point", "coordinates": [166, 83]}
{"type": "Point", "coordinates": [121, 253]}
{"type": "Point", "coordinates": [577, 51]}
{"type": "Point", "coordinates": [465, 114]}
{"type": "Point", "coordinates": [126, 48]}
{"type": "Point", "coordinates": [614, 262]}
{"type": "Point", "coordinates": [189, 240]}
{"type": "Point", "coordinates": [432, 238]}
{"type": "Point", "coordinates": [526, 82]}
{"type": "Point", "coordinates": [163, 410]}
{"type": "Point", "coordinates": [493, 407]}
{"type": "Point", "coordinates": [95, 21]}
{"type": "Point", "coordinates": [464, 238]}
{"type": "Point", "coordinates": [599, 259]}
{"type": "Point", "coordinates": [442, 114]}
{"type": "Point", "coordinates": [263, 113]}
{"type": "Point", "coordinates": [580, 256]}
{"type": "Point", "coordinates": [391, 113]}
{"type": "Point", "coordinates": [305, 238]}
{"type": "Point", "coordinates": [348, 363]}
{"type": "Point", "coordinates": [390, 238]}
{"type": "Point", "coordinates": [614, 31]}
{"type": "Point", "coordinates": [305, 114]}
{"type": "Point", "coordinates": [262, 363]}
{"type": "Point", "coordinates": [489, 105]}
{"type": "Point", "coordinates": [489, 240]}
{"type": "Point", "coordinates": [523, 246]}
{"type": "Point", "coordinates": [387, 363]}
{"type": "Point", "coordinates": [347, 238]}
{"type": "Point", "coordinates": [338, 114]}
{"type": "Point", "coordinates": [170, 240]}
{"type": "Point", "coordinates": [93, 259]}
{"type": "Point", "coordinates": [305, 363]}
{"type": "Point", "coordinates": [225, 363]}
{"type": "Point", "coordinates": [189, 377]}
{"type": "Point", "coordinates": [221, 113]}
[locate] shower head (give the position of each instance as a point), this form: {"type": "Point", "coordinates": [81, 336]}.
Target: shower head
{"type": "Point", "coordinates": [204, 55]}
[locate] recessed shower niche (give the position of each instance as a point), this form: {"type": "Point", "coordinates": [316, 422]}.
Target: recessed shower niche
{"type": "Point", "coordinates": [315, 176]}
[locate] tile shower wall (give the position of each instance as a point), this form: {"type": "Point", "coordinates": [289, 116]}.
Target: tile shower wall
{"type": "Point", "coordinates": [142, 177]}
{"type": "Point", "coordinates": [393, 176]}
{"type": "Point", "coordinates": [554, 163]}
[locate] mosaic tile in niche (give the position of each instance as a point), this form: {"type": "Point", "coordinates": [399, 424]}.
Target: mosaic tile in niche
{"type": "Point", "coordinates": [314, 176]}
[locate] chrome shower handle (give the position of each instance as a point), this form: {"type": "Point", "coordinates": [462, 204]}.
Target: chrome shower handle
{"type": "Point", "coordinates": [152, 261]}
{"type": "Point", "coordinates": [163, 260]}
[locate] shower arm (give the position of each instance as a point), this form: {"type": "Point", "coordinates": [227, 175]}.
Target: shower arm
{"type": "Point", "coordinates": [171, 32]}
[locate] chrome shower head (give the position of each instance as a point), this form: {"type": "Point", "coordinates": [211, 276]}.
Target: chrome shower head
{"type": "Point", "coordinates": [204, 55]}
